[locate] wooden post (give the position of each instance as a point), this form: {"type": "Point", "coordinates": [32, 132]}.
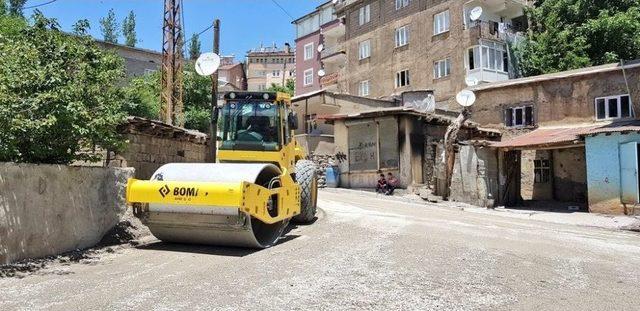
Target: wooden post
{"type": "Point", "coordinates": [450, 138]}
{"type": "Point", "coordinates": [213, 126]}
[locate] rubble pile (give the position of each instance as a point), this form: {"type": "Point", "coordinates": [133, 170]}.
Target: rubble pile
{"type": "Point", "coordinates": [322, 161]}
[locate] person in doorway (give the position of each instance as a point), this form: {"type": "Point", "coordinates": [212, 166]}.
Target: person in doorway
{"type": "Point", "coordinates": [392, 184]}
{"type": "Point", "coordinates": [381, 187]}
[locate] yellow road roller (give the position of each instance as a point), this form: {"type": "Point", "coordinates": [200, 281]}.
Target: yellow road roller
{"type": "Point", "coordinates": [260, 182]}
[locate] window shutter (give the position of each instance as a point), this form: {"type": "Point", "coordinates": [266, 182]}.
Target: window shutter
{"type": "Point", "coordinates": [528, 113]}
{"type": "Point", "coordinates": [508, 117]}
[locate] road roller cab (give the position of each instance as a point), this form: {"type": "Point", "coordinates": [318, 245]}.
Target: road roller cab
{"type": "Point", "coordinates": [262, 181]}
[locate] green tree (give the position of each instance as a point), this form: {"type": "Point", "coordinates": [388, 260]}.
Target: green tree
{"type": "Point", "coordinates": [109, 27]}
{"type": "Point", "coordinates": [15, 7]}
{"type": "Point", "coordinates": [289, 88]}
{"type": "Point", "coordinates": [194, 47]}
{"type": "Point", "coordinates": [129, 30]}
{"type": "Point", "coordinates": [60, 95]}
{"type": "Point", "coordinates": [143, 98]}
{"type": "Point", "coordinates": [3, 8]}
{"type": "Point", "coordinates": [81, 27]}
{"type": "Point", "coordinates": [570, 34]}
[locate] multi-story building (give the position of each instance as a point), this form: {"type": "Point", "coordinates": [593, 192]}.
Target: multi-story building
{"type": "Point", "coordinates": [319, 56]}
{"type": "Point", "coordinates": [394, 46]}
{"type": "Point", "coordinates": [269, 65]}
{"type": "Point", "coordinates": [232, 72]}
{"type": "Point", "coordinates": [138, 61]}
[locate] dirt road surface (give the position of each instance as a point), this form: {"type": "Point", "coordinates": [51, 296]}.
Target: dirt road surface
{"type": "Point", "coordinates": [363, 252]}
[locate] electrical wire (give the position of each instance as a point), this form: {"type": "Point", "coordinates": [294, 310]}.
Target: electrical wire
{"type": "Point", "coordinates": [39, 5]}
{"type": "Point", "coordinates": [281, 8]}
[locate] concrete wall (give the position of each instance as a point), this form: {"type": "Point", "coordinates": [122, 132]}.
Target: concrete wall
{"type": "Point", "coordinates": [603, 172]}
{"type": "Point", "coordinates": [50, 209]}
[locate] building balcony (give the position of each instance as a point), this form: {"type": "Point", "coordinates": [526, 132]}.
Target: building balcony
{"type": "Point", "coordinates": [488, 75]}
{"type": "Point", "coordinates": [334, 30]}
{"type": "Point", "coordinates": [333, 54]}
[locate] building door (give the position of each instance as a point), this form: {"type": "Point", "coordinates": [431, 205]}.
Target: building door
{"type": "Point", "coordinates": [630, 189]}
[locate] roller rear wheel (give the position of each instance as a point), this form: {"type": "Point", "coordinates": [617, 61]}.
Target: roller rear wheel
{"type": "Point", "coordinates": [306, 178]}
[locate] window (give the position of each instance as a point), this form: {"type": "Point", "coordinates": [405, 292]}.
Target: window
{"type": "Point", "coordinates": [441, 68]}
{"type": "Point", "coordinates": [541, 171]}
{"type": "Point", "coordinates": [364, 88]}
{"type": "Point", "coordinates": [489, 55]}
{"type": "Point", "coordinates": [401, 4]}
{"type": "Point", "coordinates": [402, 78]}
{"type": "Point", "coordinates": [308, 51]}
{"type": "Point", "coordinates": [614, 107]}
{"type": "Point", "coordinates": [262, 87]}
{"type": "Point", "coordinates": [441, 22]}
{"type": "Point", "coordinates": [519, 116]}
{"type": "Point", "coordinates": [365, 49]}
{"type": "Point", "coordinates": [365, 14]}
{"type": "Point", "coordinates": [275, 73]}
{"type": "Point", "coordinates": [308, 77]}
{"type": "Point", "coordinates": [402, 36]}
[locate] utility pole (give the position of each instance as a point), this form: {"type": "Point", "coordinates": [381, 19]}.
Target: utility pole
{"type": "Point", "coordinates": [171, 107]}
{"type": "Point", "coordinates": [213, 127]}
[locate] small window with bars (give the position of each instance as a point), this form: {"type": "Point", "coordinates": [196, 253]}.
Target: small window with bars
{"type": "Point", "coordinates": [542, 171]}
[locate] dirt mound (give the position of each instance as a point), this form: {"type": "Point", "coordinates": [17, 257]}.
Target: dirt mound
{"type": "Point", "coordinates": [128, 230]}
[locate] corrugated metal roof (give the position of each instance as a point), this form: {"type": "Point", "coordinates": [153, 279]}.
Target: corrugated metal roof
{"type": "Point", "coordinates": [615, 127]}
{"type": "Point", "coordinates": [543, 137]}
{"type": "Point", "coordinates": [566, 136]}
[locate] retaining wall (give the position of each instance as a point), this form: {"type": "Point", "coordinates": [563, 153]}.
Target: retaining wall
{"type": "Point", "coordinates": [51, 209]}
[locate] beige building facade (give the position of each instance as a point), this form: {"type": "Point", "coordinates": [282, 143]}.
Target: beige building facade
{"type": "Point", "coordinates": [269, 65]}
{"type": "Point", "coordinates": [394, 46]}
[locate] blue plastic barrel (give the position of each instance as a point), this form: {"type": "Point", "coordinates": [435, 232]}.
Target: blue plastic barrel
{"type": "Point", "coordinates": [332, 173]}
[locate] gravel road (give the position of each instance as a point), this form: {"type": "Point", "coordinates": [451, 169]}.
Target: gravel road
{"type": "Point", "coordinates": [363, 252]}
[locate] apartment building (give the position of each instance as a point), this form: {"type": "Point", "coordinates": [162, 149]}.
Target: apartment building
{"type": "Point", "coordinates": [232, 72]}
{"type": "Point", "coordinates": [394, 46]}
{"type": "Point", "coordinates": [319, 53]}
{"type": "Point", "coordinates": [269, 65]}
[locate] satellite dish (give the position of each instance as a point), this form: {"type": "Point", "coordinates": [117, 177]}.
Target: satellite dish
{"type": "Point", "coordinates": [321, 73]}
{"type": "Point", "coordinates": [471, 81]}
{"type": "Point", "coordinates": [334, 1]}
{"type": "Point", "coordinates": [207, 64]}
{"type": "Point", "coordinates": [475, 13]}
{"type": "Point", "coordinates": [466, 98]}
{"type": "Point", "coordinates": [320, 47]}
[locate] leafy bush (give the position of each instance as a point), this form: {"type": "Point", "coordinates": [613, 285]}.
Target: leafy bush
{"type": "Point", "coordinates": [59, 94]}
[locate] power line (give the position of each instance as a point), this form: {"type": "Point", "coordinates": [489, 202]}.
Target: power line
{"type": "Point", "coordinates": [281, 8]}
{"type": "Point", "coordinates": [39, 5]}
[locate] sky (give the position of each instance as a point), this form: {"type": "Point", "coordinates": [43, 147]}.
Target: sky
{"type": "Point", "coordinates": [244, 24]}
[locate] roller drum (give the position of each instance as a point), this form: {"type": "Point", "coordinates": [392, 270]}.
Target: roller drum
{"type": "Point", "coordinates": [213, 225]}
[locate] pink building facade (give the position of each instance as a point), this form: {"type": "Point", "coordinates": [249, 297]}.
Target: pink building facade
{"type": "Point", "coordinates": [309, 46]}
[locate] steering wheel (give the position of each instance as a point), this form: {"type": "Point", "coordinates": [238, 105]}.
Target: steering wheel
{"type": "Point", "coordinates": [250, 136]}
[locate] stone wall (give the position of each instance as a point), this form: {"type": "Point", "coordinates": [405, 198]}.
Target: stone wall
{"type": "Point", "coordinates": [51, 209]}
{"type": "Point", "coordinates": [153, 144]}
{"type": "Point", "coordinates": [475, 176]}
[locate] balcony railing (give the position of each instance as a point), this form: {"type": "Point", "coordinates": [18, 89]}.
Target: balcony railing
{"type": "Point", "coordinates": [491, 29]}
